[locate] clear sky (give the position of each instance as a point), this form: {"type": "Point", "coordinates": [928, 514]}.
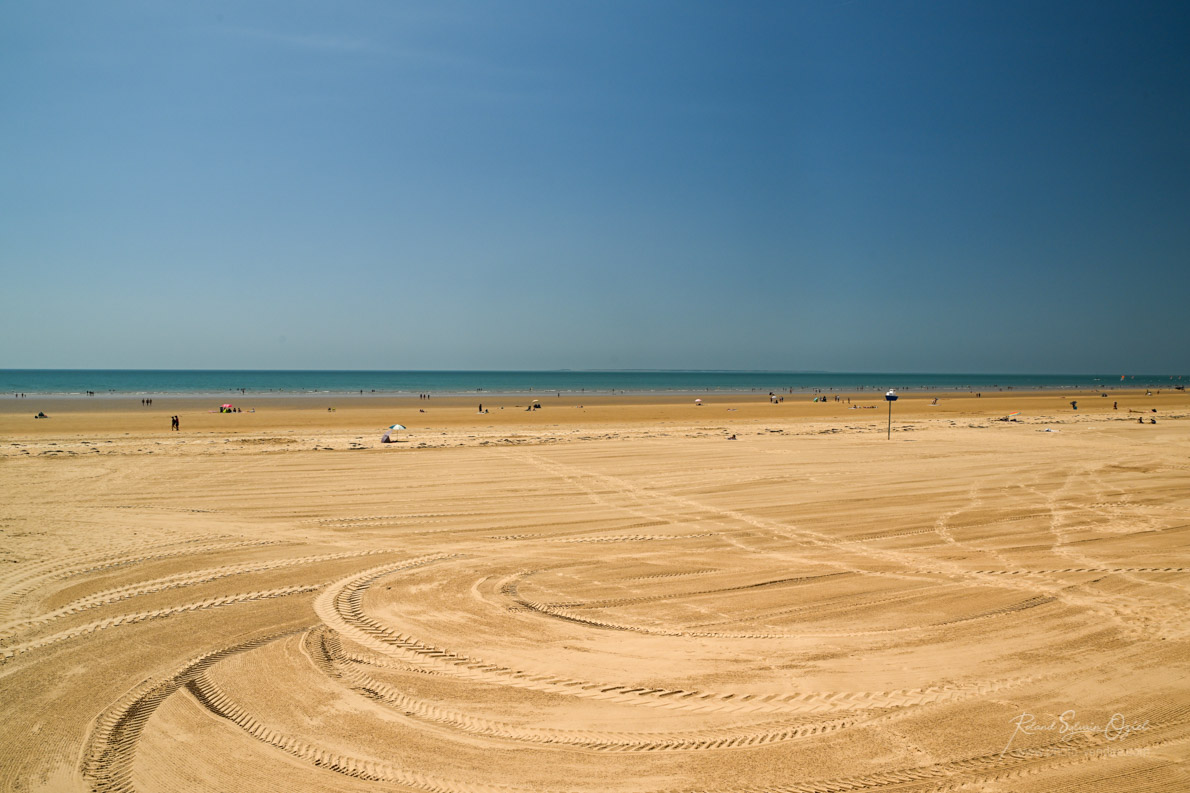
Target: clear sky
{"type": "Point", "coordinates": [845, 185]}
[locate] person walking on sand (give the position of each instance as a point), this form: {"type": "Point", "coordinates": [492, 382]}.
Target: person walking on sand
{"type": "Point", "coordinates": [1074, 404]}
{"type": "Point", "coordinates": [173, 423]}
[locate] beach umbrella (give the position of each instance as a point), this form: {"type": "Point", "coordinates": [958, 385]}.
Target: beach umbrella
{"type": "Point", "coordinates": [396, 426]}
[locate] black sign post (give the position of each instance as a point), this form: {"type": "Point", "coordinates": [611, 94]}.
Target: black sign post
{"type": "Point", "coordinates": [891, 396]}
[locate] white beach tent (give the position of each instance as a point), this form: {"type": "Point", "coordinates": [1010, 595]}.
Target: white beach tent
{"type": "Point", "coordinates": [387, 437]}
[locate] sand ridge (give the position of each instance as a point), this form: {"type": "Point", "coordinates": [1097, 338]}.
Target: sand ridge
{"type": "Point", "coordinates": [612, 597]}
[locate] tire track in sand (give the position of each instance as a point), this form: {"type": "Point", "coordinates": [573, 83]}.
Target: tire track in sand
{"type": "Point", "coordinates": [111, 746]}
{"type": "Point", "coordinates": [372, 769]}
{"type": "Point", "coordinates": [118, 594]}
{"type": "Point", "coordinates": [321, 647]}
{"type": "Point", "coordinates": [56, 571]}
{"type": "Point", "coordinates": [8, 654]}
{"type": "Point", "coordinates": [339, 607]}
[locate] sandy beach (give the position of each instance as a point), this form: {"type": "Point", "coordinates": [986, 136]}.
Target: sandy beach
{"type": "Point", "coordinates": [603, 594]}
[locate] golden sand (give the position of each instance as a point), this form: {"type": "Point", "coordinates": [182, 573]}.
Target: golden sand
{"type": "Point", "coordinates": [606, 594]}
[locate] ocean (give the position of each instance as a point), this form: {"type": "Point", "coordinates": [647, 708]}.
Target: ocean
{"type": "Point", "coordinates": [203, 382]}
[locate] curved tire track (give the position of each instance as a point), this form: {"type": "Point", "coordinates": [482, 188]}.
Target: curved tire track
{"type": "Point", "coordinates": [118, 594]}
{"type": "Point", "coordinates": [111, 747]}
{"type": "Point", "coordinates": [339, 608]}
{"type": "Point", "coordinates": [8, 654]}
{"type": "Point", "coordinates": [322, 649]}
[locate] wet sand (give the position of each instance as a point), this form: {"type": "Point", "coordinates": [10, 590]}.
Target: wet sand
{"type": "Point", "coordinates": [606, 597]}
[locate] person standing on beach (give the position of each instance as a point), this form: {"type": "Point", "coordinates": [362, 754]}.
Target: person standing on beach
{"type": "Point", "coordinates": [173, 422]}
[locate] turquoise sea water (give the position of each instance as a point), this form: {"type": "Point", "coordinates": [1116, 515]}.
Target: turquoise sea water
{"type": "Point", "coordinates": [444, 383]}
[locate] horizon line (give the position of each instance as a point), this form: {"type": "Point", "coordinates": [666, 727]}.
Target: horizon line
{"type": "Point", "coordinates": [593, 370]}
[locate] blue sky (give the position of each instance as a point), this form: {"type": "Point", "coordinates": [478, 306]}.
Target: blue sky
{"type": "Point", "coordinates": [839, 185]}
